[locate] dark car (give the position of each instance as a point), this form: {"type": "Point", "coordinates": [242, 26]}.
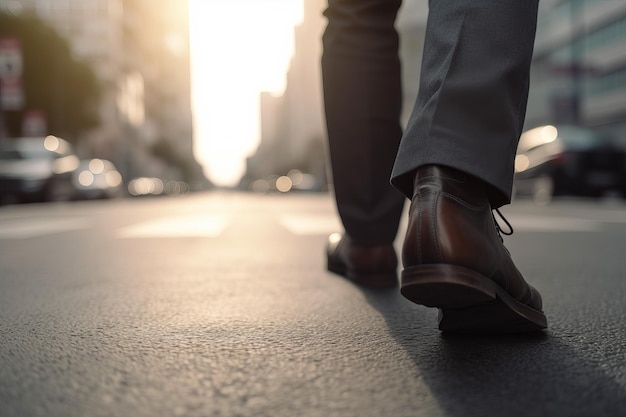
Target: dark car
{"type": "Point", "coordinates": [36, 169]}
{"type": "Point", "coordinates": [567, 160]}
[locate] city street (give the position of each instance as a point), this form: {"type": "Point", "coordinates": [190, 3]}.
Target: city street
{"type": "Point", "coordinates": [218, 304]}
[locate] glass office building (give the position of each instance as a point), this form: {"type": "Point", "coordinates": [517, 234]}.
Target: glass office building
{"type": "Point", "coordinates": [579, 65]}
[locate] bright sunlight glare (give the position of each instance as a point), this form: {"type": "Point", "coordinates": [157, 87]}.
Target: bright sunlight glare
{"type": "Point", "coordinates": [238, 49]}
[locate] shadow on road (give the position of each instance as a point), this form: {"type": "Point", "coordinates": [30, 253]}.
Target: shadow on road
{"type": "Point", "coordinates": [527, 375]}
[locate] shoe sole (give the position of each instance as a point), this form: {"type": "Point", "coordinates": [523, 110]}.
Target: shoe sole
{"type": "Point", "coordinates": [468, 301]}
{"type": "Point", "coordinates": [372, 280]}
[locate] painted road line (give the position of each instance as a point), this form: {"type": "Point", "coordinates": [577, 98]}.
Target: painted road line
{"type": "Point", "coordinates": [306, 224]}
{"type": "Point", "coordinates": [310, 224]}
{"type": "Point", "coordinates": [28, 228]}
{"type": "Point", "coordinates": [173, 227]}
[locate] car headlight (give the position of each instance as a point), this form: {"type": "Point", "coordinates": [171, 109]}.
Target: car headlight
{"type": "Point", "coordinates": [85, 178]}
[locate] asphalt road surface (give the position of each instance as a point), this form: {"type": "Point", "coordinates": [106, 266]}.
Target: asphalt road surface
{"type": "Point", "coordinates": [218, 304]}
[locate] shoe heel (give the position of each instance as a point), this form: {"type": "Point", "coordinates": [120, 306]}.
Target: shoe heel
{"type": "Point", "coordinates": [446, 286]}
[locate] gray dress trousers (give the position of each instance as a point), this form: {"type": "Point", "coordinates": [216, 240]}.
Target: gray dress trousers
{"type": "Point", "coordinates": [468, 115]}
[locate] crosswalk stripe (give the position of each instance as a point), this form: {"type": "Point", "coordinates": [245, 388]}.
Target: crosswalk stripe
{"type": "Point", "coordinates": [310, 224]}
{"type": "Point", "coordinates": [324, 224]}
{"type": "Point", "coordinates": [183, 226]}
{"type": "Point", "coordinates": [27, 228]}
{"type": "Point", "coordinates": [553, 224]}
{"type": "Point", "coordinates": [213, 226]}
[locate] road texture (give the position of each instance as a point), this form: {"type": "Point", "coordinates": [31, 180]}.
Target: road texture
{"type": "Point", "coordinates": [218, 304]}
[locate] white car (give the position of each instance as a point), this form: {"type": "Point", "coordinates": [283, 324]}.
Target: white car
{"type": "Point", "coordinates": [36, 169]}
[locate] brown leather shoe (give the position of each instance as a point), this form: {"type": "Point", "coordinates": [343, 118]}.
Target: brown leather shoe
{"type": "Point", "coordinates": [454, 259]}
{"type": "Point", "coordinates": [371, 266]}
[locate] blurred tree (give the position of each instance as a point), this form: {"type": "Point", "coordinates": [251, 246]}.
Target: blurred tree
{"type": "Point", "coordinates": [55, 82]}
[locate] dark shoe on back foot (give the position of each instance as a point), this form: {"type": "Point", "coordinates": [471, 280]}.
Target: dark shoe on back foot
{"type": "Point", "coordinates": [454, 259]}
{"type": "Point", "coordinates": [367, 265]}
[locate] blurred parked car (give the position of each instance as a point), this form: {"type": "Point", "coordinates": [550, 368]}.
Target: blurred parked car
{"type": "Point", "coordinates": [294, 181]}
{"type": "Point", "coordinates": [146, 186]}
{"type": "Point", "coordinates": [567, 160]}
{"type": "Point", "coordinates": [36, 169]}
{"type": "Point", "coordinates": [97, 178]}
{"type": "Point", "coordinates": [150, 186]}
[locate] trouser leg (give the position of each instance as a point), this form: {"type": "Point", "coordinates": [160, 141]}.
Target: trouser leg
{"type": "Point", "coordinates": [471, 104]}
{"type": "Point", "coordinates": [362, 97]}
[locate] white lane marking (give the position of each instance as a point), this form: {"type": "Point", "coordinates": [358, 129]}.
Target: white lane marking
{"type": "Point", "coordinates": [552, 224]}
{"type": "Point", "coordinates": [306, 224]}
{"type": "Point", "coordinates": [310, 224]}
{"type": "Point", "coordinates": [183, 226]}
{"type": "Point", "coordinates": [27, 228]}
{"type": "Point", "coordinates": [612, 216]}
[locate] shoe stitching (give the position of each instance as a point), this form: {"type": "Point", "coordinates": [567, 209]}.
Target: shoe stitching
{"type": "Point", "coordinates": [464, 203]}
{"type": "Point", "coordinates": [420, 257]}
{"type": "Point", "coordinates": [434, 227]}
{"type": "Point", "coordinates": [428, 177]}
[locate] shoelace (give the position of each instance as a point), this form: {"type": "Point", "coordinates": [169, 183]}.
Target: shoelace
{"type": "Point", "coordinates": [501, 231]}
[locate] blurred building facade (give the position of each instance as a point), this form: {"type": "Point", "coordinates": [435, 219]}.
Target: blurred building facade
{"type": "Point", "coordinates": [292, 128]}
{"type": "Point", "coordinates": [578, 74]}
{"type": "Point", "coordinates": [140, 53]}
{"type": "Point", "coordinates": [293, 131]}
